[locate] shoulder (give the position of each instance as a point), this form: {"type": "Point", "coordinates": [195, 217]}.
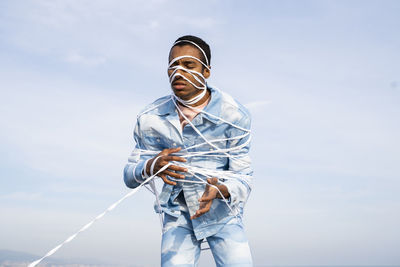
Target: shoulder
{"type": "Point", "coordinates": [233, 111]}
{"type": "Point", "coordinates": [152, 114]}
{"type": "Point", "coordinates": [157, 107]}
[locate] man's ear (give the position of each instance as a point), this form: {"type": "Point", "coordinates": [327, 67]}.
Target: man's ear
{"type": "Point", "coordinates": [206, 72]}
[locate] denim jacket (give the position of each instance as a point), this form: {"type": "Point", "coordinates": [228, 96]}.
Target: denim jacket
{"type": "Point", "coordinates": [160, 128]}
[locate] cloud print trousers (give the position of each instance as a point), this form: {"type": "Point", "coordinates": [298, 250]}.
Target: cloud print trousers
{"type": "Point", "coordinates": [179, 246]}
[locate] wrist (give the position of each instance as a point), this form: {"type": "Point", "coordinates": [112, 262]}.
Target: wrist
{"type": "Point", "coordinates": [145, 171]}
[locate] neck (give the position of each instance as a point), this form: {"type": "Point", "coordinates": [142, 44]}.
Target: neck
{"type": "Point", "coordinates": [202, 100]}
{"type": "Point", "coordinates": [206, 94]}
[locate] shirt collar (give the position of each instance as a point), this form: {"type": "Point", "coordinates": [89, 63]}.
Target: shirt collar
{"type": "Point", "coordinates": [213, 107]}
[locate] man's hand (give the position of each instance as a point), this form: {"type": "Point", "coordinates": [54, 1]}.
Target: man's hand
{"type": "Point", "coordinates": [163, 160]}
{"type": "Point", "coordinates": [210, 193]}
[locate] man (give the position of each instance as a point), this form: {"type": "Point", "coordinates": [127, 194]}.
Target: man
{"type": "Point", "coordinates": [197, 140]}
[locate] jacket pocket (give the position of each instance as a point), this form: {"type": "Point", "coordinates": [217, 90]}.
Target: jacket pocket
{"type": "Point", "coordinates": [155, 141]}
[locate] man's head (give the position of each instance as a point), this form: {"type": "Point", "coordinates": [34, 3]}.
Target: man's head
{"type": "Point", "coordinates": [189, 66]}
{"type": "Point", "coordinates": [198, 43]}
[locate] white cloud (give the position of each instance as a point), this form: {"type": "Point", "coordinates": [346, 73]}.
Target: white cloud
{"type": "Point", "coordinates": [92, 33]}
{"type": "Point", "coordinates": [75, 57]}
{"type": "Point", "coordinates": [196, 22]}
{"type": "Point", "coordinates": [325, 148]}
{"type": "Point", "coordinates": [21, 196]}
{"type": "Point", "coordinates": [68, 130]}
{"type": "Point", "coordinates": [255, 105]}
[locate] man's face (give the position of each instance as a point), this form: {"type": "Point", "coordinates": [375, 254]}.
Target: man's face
{"type": "Point", "coordinates": [182, 88]}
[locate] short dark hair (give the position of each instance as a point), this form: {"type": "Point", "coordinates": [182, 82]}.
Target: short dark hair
{"type": "Point", "coordinates": [200, 42]}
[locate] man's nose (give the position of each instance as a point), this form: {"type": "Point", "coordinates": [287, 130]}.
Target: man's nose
{"type": "Point", "coordinates": [180, 72]}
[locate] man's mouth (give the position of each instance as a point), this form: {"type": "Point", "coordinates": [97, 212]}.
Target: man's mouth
{"type": "Point", "coordinates": [178, 85]}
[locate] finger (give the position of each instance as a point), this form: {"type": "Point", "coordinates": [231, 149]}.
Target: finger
{"type": "Point", "coordinates": [196, 215]}
{"type": "Point", "coordinates": [177, 168]}
{"type": "Point", "coordinates": [208, 196]}
{"type": "Point", "coordinates": [174, 174]}
{"type": "Point", "coordinates": [167, 151]}
{"type": "Point", "coordinates": [204, 210]}
{"type": "Point", "coordinates": [164, 178]}
{"type": "Point", "coordinates": [200, 212]}
{"type": "Point", "coordinates": [174, 158]}
{"type": "Point", "coordinates": [173, 150]}
{"type": "Point", "coordinates": [212, 181]}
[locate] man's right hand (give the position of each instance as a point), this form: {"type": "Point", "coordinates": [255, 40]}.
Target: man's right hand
{"type": "Point", "coordinates": [163, 158]}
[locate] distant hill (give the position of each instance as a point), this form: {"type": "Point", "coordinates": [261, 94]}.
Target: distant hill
{"type": "Point", "coordinates": [10, 255]}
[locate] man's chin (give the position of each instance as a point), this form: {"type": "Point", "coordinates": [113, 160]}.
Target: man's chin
{"type": "Point", "coordinates": [181, 94]}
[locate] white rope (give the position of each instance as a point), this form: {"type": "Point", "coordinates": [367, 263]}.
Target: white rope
{"type": "Point", "coordinates": [194, 171]}
{"type": "Point", "coordinates": [217, 149]}
{"type": "Point", "coordinates": [110, 208]}
{"type": "Point", "coordinates": [155, 192]}
{"type": "Point", "coordinates": [193, 43]}
{"type": "Point", "coordinates": [195, 74]}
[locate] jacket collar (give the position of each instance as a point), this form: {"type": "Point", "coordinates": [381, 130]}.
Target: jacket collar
{"type": "Point", "coordinates": [213, 107]}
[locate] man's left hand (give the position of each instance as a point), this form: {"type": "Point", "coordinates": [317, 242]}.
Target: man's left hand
{"type": "Point", "coordinates": [210, 193]}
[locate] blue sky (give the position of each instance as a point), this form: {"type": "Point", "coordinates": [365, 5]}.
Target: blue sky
{"type": "Point", "coordinates": [321, 79]}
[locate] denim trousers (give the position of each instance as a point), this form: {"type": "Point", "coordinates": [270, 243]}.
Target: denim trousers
{"type": "Point", "coordinates": [179, 246]}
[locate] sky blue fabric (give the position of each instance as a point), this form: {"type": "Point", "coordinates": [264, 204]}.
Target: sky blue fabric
{"type": "Point", "coordinates": [179, 246]}
{"type": "Point", "coordinates": [159, 128]}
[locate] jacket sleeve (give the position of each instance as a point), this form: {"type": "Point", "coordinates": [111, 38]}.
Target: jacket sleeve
{"type": "Point", "coordinates": [240, 187]}
{"type": "Point", "coordinates": [133, 169]}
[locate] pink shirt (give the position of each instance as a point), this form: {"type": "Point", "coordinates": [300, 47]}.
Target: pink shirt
{"type": "Point", "coordinates": [190, 113]}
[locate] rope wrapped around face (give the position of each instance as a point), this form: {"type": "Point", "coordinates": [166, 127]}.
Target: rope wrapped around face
{"type": "Point", "coordinates": [195, 74]}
